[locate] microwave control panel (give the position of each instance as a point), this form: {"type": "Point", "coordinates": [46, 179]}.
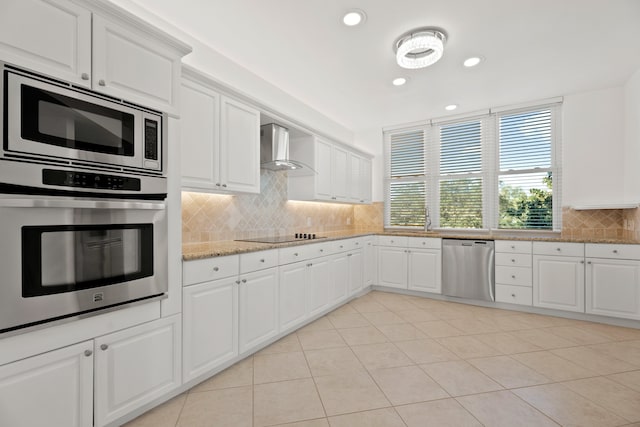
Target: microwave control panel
{"type": "Point", "coordinates": [89, 180]}
{"type": "Point", "coordinates": [150, 139]}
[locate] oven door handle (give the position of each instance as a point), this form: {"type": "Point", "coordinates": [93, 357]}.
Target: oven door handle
{"type": "Point", "coordinates": [80, 204]}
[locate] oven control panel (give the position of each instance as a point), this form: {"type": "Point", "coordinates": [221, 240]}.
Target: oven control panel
{"type": "Point", "coordinates": [89, 180]}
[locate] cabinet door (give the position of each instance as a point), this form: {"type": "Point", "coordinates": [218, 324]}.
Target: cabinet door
{"type": "Point", "coordinates": [355, 271]}
{"type": "Point", "coordinates": [369, 262]}
{"type": "Point", "coordinates": [48, 36]}
{"type": "Point", "coordinates": [318, 280]}
{"type": "Point", "coordinates": [613, 287]}
{"type": "Point", "coordinates": [136, 366]}
{"type": "Point", "coordinates": [323, 170]}
{"type": "Point", "coordinates": [340, 174]}
{"type": "Point", "coordinates": [424, 270]}
{"type": "Point", "coordinates": [199, 136]}
{"type": "Point", "coordinates": [392, 267]}
{"type": "Point", "coordinates": [258, 307]}
{"type": "Point", "coordinates": [293, 295]}
{"type": "Point", "coordinates": [339, 268]}
{"type": "Point", "coordinates": [355, 179]}
{"type": "Point", "coordinates": [366, 181]}
{"type": "Point", "coordinates": [558, 282]}
{"type": "Point", "coordinates": [210, 328]}
{"type": "Point", "coordinates": [52, 389]}
{"type": "Point", "coordinates": [128, 64]}
{"type": "Point", "coordinates": [239, 146]}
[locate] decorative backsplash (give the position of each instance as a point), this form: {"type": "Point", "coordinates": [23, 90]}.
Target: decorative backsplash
{"type": "Point", "coordinates": [212, 217]}
{"type": "Point", "coordinates": [594, 224]}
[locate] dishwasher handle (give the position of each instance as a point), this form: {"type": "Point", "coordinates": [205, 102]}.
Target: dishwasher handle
{"type": "Point", "coordinates": [491, 273]}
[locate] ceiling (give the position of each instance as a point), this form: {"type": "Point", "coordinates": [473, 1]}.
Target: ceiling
{"type": "Point", "coordinates": [533, 49]}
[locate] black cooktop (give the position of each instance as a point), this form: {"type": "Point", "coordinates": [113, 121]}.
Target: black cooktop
{"type": "Point", "coordinates": [283, 239]}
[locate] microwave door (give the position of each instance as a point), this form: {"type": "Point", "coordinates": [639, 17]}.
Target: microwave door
{"type": "Point", "coordinates": [47, 120]}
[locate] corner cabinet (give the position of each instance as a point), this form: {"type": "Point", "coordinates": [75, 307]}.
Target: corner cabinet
{"type": "Point", "coordinates": [100, 47]}
{"type": "Point", "coordinates": [340, 173]}
{"type": "Point", "coordinates": [220, 139]}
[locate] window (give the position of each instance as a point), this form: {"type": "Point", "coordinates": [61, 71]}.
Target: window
{"type": "Point", "coordinates": [498, 170]}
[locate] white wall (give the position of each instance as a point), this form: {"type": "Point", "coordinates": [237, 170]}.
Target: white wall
{"type": "Point", "coordinates": [632, 138]}
{"type": "Point", "coordinates": [593, 147]}
{"type": "Point", "coordinates": [241, 80]}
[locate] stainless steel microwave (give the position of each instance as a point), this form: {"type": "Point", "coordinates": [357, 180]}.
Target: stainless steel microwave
{"type": "Point", "coordinates": [53, 122]}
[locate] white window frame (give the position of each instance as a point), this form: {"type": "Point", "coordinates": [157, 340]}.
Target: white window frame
{"type": "Point", "coordinates": [490, 173]}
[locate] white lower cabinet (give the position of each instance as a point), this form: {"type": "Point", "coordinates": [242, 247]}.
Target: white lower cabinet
{"type": "Point", "coordinates": [293, 294]}
{"type": "Point", "coordinates": [318, 284]}
{"type": "Point", "coordinates": [135, 366]}
{"type": "Point", "coordinates": [258, 307]}
{"type": "Point", "coordinates": [356, 269]}
{"type": "Point", "coordinates": [51, 389]}
{"type": "Point", "coordinates": [514, 276]}
{"type": "Point", "coordinates": [424, 270]}
{"type": "Point", "coordinates": [369, 261]}
{"type": "Point", "coordinates": [392, 267]}
{"type": "Point", "coordinates": [558, 280]}
{"type": "Point", "coordinates": [210, 326]}
{"type": "Point", "coordinates": [340, 283]}
{"type": "Point", "coordinates": [613, 287]}
{"type": "Point", "coordinates": [94, 382]}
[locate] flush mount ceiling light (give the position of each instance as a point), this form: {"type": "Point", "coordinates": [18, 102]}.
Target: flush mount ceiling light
{"type": "Point", "coordinates": [451, 107]}
{"type": "Point", "coordinates": [353, 17]}
{"type": "Point", "coordinates": [420, 48]}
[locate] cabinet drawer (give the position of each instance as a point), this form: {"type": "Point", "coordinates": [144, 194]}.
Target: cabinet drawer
{"type": "Point", "coordinates": [319, 249]}
{"type": "Point", "coordinates": [392, 241]}
{"type": "Point", "coordinates": [341, 245]}
{"type": "Point", "coordinates": [612, 251]}
{"type": "Point", "coordinates": [513, 246]}
{"type": "Point", "coordinates": [204, 270]}
{"type": "Point", "coordinates": [294, 254]}
{"type": "Point", "coordinates": [254, 261]}
{"type": "Point", "coordinates": [425, 242]}
{"type": "Point", "coordinates": [558, 248]}
{"type": "Point", "coordinates": [513, 260]}
{"type": "Point", "coordinates": [514, 294]}
{"type": "Point", "coordinates": [518, 276]}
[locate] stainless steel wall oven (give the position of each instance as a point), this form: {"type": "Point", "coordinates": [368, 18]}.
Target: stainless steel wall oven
{"type": "Point", "coordinates": [82, 202]}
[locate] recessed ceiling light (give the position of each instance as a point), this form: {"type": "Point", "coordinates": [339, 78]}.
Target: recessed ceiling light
{"type": "Point", "coordinates": [399, 81]}
{"type": "Point", "coordinates": [472, 61]}
{"type": "Point", "coordinates": [451, 107]}
{"type": "Point", "coordinates": [353, 17]}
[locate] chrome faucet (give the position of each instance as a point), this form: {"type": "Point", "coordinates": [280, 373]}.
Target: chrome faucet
{"type": "Point", "coordinates": [427, 220]}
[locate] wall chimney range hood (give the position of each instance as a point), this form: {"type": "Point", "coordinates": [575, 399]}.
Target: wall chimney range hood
{"type": "Point", "coordinates": [274, 149]}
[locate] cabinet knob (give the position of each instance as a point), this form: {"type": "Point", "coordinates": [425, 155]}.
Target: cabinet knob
{"type": "Point", "coordinates": [262, 260]}
{"type": "Point", "coordinates": [309, 265]}
{"type": "Point", "coordinates": [615, 251]}
{"type": "Point", "coordinates": [341, 246]}
{"type": "Point", "coordinates": [295, 254]}
{"type": "Point", "coordinates": [513, 260]}
{"type": "Point", "coordinates": [104, 347]}
{"type": "Point", "coordinates": [224, 185]}
{"type": "Point", "coordinates": [216, 269]}
{"type": "Point", "coordinates": [558, 249]}
{"type": "Point", "coordinates": [102, 82]}
{"type": "Point", "coordinates": [424, 243]}
{"type": "Point", "coordinates": [513, 295]}
{"type": "Point", "coordinates": [244, 280]}
{"type": "Point", "coordinates": [357, 243]}
{"type": "Point", "coordinates": [513, 246]}
{"type": "Point", "coordinates": [349, 254]}
{"type": "Point", "coordinates": [237, 282]}
{"type": "Point", "coordinates": [88, 353]}
{"type": "Point", "coordinates": [333, 198]}
{"type": "Point", "coordinates": [392, 241]}
{"type": "Point", "coordinates": [582, 261]}
{"type": "Point", "coordinates": [513, 276]}
{"type": "Point", "coordinates": [84, 76]}
{"type": "Point", "coordinates": [588, 262]}
{"type": "Point", "coordinates": [217, 184]}
{"type": "Point", "coordinates": [321, 250]}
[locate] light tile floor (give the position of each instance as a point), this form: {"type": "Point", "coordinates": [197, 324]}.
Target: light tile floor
{"type": "Point", "coordinates": [393, 360]}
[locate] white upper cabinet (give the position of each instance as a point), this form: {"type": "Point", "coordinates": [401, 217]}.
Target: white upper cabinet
{"type": "Point", "coordinates": [341, 174]}
{"type": "Point", "coordinates": [220, 140]}
{"type": "Point", "coordinates": [48, 36]}
{"type": "Point", "coordinates": [99, 46]}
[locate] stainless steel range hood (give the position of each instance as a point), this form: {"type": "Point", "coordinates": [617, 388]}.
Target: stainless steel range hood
{"type": "Point", "coordinates": [274, 149]}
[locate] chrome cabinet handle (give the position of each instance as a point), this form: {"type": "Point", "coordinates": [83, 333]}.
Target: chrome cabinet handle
{"type": "Point", "coordinates": [321, 250]}
{"type": "Point", "coordinates": [84, 76]}
{"type": "Point", "coordinates": [615, 251]}
{"type": "Point", "coordinates": [558, 249]}
{"type": "Point", "coordinates": [513, 246]}
{"type": "Point", "coordinates": [588, 262]}
{"type": "Point", "coordinates": [104, 347]}
{"type": "Point", "coordinates": [101, 82]}
{"type": "Point", "coordinates": [262, 260]}
{"type": "Point", "coordinates": [513, 295]}
{"type": "Point", "coordinates": [582, 262]}
{"type": "Point", "coordinates": [224, 185]}
{"type": "Point", "coordinates": [349, 254]}
{"type": "Point", "coordinates": [295, 254]}
{"type": "Point", "coordinates": [217, 184]}
{"type": "Point", "coordinates": [244, 280]}
{"type": "Point", "coordinates": [88, 353]}
{"type": "Point", "coordinates": [216, 269]}
{"type": "Point", "coordinates": [341, 246]}
{"type": "Point", "coordinates": [237, 282]}
{"type": "Point", "coordinates": [513, 276]}
{"type": "Point", "coordinates": [513, 260]}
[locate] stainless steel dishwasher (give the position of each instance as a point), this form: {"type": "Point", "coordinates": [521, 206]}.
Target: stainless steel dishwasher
{"type": "Point", "coordinates": [468, 269]}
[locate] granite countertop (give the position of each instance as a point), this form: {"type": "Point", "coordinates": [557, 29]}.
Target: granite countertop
{"type": "Point", "coordinates": [193, 251]}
